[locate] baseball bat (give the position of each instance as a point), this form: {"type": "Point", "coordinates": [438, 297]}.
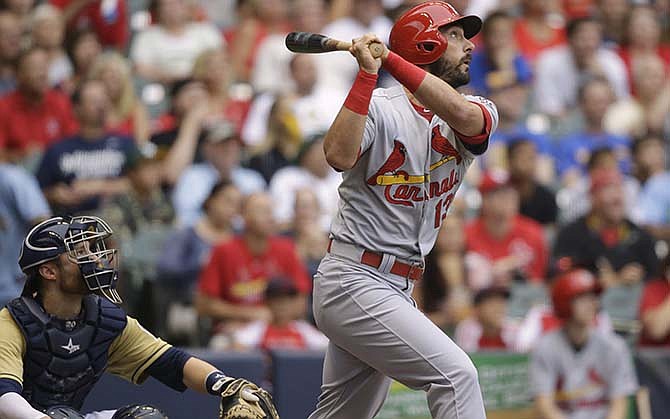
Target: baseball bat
{"type": "Point", "coordinates": [314, 43]}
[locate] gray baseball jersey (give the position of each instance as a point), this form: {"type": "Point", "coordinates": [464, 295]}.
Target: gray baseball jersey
{"type": "Point", "coordinates": [582, 382]}
{"type": "Point", "coordinates": [393, 202]}
{"type": "Point", "coordinates": [395, 198]}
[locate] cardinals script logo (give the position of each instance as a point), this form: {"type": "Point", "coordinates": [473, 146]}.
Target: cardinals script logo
{"type": "Point", "coordinates": [402, 188]}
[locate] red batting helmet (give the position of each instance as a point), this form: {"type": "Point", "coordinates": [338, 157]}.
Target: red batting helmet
{"type": "Point", "coordinates": [416, 34]}
{"type": "Point", "coordinates": [568, 286]}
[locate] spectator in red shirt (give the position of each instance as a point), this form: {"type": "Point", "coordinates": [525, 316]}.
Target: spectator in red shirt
{"type": "Point", "coordinates": [502, 245]}
{"type": "Point", "coordinates": [232, 285]}
{"type": "Point", "coordinates": [655, 310]}
{"type": "Point", "coordinates": [643, 39]}
{"type": "Point", "coordinates": [33, 116]}
{"type": "Point", "coordinates": [10, 47]}
{"type": "Point", "coordinates": [535, 31]}
{"type": "Point", "coordinates": [109, 19]}
{"type": "Point", "coordinates": [490, 328]}
{"type": "Point", "coordinates": [287, 329]}
{"type": "Point", "coordinates": [268, 17]}
{"type": "Point", "coordinates": [128, 115]}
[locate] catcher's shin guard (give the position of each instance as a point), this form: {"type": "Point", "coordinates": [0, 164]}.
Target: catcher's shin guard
{"type": "Point", "coordinates": [139, 411]}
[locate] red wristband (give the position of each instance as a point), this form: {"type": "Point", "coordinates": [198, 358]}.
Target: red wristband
{"type": "Point", "coordinates": [360, 94]}
{"type": "Point", "coordinates": [405, 72]}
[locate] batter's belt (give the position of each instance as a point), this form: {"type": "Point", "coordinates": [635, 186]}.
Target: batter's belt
{"type": "Point", "coordinates": [383, 262]}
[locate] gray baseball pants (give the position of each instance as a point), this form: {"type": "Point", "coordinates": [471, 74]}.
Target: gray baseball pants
{"type": "Point", "coordinates": [376, 332]}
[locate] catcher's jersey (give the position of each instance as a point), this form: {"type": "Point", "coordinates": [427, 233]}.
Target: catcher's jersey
{"type": "Point", "coordinates": [131, 353]}
{"type": "Point", "coordinates": [583, 382]}
{"type": "Point", "coordinates": [395, 197]}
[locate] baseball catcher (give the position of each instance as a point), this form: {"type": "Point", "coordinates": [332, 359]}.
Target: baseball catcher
{"type": "Point", "coordinates": [66, 329]}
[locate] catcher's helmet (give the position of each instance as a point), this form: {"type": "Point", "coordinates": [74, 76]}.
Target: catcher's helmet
{"type": "Point", "coordinates": [416, 34]}
{"type": "Point", "coordinates": [83, 240]}
{"type": "Point", "coordinates": [569, 285]}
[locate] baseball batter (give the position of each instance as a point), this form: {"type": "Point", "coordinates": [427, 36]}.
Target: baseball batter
{"type": "Point", "coordinates": [578, 372]}
{"type": "Point", "coordinates": [403, 152]}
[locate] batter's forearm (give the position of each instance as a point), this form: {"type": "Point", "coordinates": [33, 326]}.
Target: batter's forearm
{"type": "Point", "coordinates": [342, 143]}
{"type": "Point", "coordinates": [437, 95]}
{"type": "Point", "coordinates": [343, 140]}
{"type": "Point", "coordinates": [461, 114]}
{"type": "Point", "coordinates": [13, 406]}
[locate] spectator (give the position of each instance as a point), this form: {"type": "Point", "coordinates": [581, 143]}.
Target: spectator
{"type": "Point", "coordinates": [536, 31]}
{"type": "Point", "coordinates": [647, 111]}
{"type": "Point", "coordinates": [167, 50]}
{"type": "Point", "coordinates": [643, 39]}
{"type": "Point", "coordinates": [536, 201]}
{"type": "Point", "coordinates": [82, 48]}
{"type": "Point", "coordinates": [286, 329]}
{"type": "Point", "coordinates": [499, 62]}
{"type": "Point", "coordinates": [128, 115]}
{"type": "Point", "coordinates": [266, 18]}
{"type": "Point", "coordinates": [187, 251]}
{"type": "Point", "coordinates": [232, 285]}
{"type": "Point", "coordinates": [612, 14]}
{"type": "Point", "coordinates": [48, 33]}
{"type": "Point", "coordinates": [108, 19]}
{"type": "Point", "coordinates": [655, 310]}
{"type": "Point", "coordinates": [652, 209]}
{"type": "Point", "coordinates": [576, 372]}
{"type": "Point", "coordinates": [213, 68]}
{"type": "Point", "coordinates": [573, 150]}
{"type": "Point", "coordinates": [311, 240]}
{"type": "Point", "coordinates": [33, 116]}
{"type": "Point", "coordinates": [443, 292]}
{"type": "Point", "coordinates": [306, 16]}
{"type": "Point", "coordinates": [503, 246]}
{"type": "Point", "coordinates": [22, 10]}
{"type": "Point", "coordinates": [282, 140]}
{"type": "Point", "coordinates": [22, 205]}
{"type": "Point", "coordinates": [622, 251]}
{"type": "Point", "coordinates": [184, 255]}
{"type": "Point", "coordinates": [221, 150]}
{"type": "Point", "coordinates": [314, 104]}
{"type": "Point", "coordinates": [575, 199]}
{"type": "Point", "coordinates": [339, 70]}
{"type": "Point", "coordinates": [511, 99]}
{"type": "Point", "coordinates": [313, 172]}
{"type": "Point", "coordinates": [490, 328]}
{"type": "Point", "coordinates": [561, 70]}
{"type": "Point", "coordinates": [10, 47]}
{"type": "Point", "coordinates": [78, 171]}
{"type": "Point", "coordinates": [188, 103]}
{"type": "Point", "coordinates": [141, 219]}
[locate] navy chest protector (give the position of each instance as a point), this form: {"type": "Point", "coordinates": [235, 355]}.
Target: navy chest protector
{"type": "Point", "coordinates": [64, 359]}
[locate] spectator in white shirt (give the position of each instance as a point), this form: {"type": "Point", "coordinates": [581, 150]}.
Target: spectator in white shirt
{"type": "Point", "coordinates": [167, 50]}
{"type": "Point", "coordinates": [314, 173]}
{"type": "Point", "coordinates": [339, 70]}
{"type": "Point", "coordinates": [561, 70]}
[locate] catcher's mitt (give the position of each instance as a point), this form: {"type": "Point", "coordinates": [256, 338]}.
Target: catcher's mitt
{"type": "Point", "coordinates": [242, 399]}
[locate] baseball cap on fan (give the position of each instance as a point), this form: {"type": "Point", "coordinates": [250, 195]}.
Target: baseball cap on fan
{"type": "Point", "coordinates": [494, 180]}
{"type": "Point", "coordinates": [222, 131]}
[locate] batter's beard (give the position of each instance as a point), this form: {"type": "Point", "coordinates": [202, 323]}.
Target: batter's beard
{"type": "Point", "coordinates": [451, 74]}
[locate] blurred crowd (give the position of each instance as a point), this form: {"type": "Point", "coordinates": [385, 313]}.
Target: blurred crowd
{"type": "Point", "coordinates": [189, 127]}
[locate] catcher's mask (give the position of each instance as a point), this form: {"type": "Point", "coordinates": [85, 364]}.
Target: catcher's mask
{"type": "Point", "coordinates": [82, 238]}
